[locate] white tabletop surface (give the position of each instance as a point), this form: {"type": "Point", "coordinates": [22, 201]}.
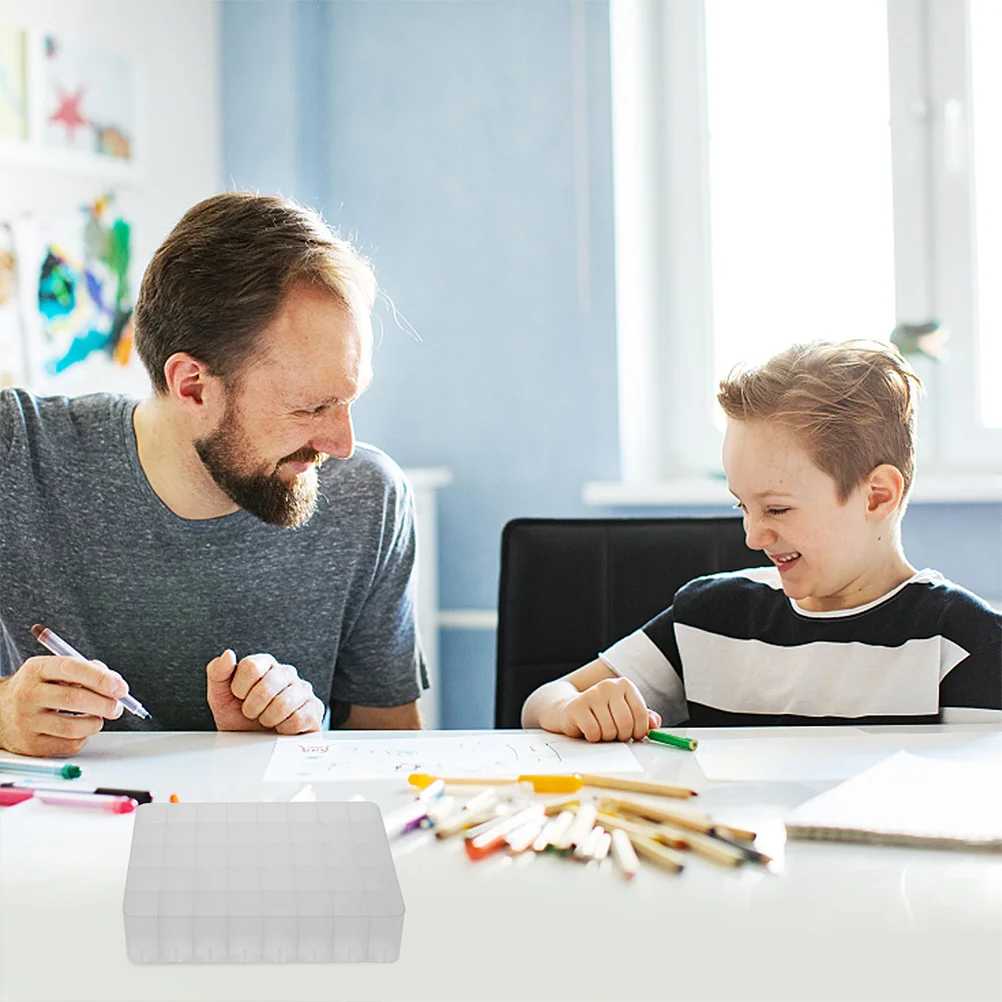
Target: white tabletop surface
{"type": "Point", "coordinates": [828, 921]}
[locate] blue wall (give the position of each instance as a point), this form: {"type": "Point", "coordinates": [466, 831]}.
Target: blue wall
{"type": "Point", "coordinates": [440, 135]}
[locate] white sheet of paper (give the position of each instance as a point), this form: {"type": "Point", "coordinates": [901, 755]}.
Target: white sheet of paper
{"type": "Point", "coordinates": [323, 757]}
{"type": "Point", "coordinates": [914, 795]}
{"type": "Point", "coordinates": [822, 756]}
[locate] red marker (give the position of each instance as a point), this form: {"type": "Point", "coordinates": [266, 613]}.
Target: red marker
{"type": "Point", "coordinates": [114, 805]}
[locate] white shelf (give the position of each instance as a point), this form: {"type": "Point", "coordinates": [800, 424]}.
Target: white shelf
{"type": "Point", "coordinates": [66, 161]}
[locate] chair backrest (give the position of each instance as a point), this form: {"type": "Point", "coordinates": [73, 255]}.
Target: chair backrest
{"type": "Point", "coordinates": [572, 587]}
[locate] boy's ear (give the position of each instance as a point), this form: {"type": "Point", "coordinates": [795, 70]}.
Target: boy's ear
{"type": "Point", "coordinates": [885, 490]}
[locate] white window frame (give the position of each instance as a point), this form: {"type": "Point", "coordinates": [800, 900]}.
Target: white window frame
{"type": "Point", "coordinates": [662, 243]}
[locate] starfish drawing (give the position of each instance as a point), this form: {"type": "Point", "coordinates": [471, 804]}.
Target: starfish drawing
{"type": "Point", "coordinates": [68, 111]}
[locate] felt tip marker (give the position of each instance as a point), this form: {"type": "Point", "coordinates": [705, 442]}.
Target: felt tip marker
{"type": "Point", "coordinates": [38, 785]}
{"type": "Point", "coordinates": [68, 771]}
{"type": "Point", "coordinates": [114, 805]}
{"type": "Point", "coordinates": [56, 644]}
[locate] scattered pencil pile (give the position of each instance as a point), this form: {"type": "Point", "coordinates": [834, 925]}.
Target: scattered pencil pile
{"type": "Point", "coordinates": [585, 823]}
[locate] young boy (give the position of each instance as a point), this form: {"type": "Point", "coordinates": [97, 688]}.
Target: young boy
{"type": "Point", "coordinates": [819, 452]}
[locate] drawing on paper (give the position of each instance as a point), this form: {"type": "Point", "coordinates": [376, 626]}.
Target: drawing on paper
{"type": "Point", "coordinates": [478, 755]}
{"type": "Point", "coordinates": [13, 89]}
{"type": "Point", "coordinates": [500, 753]}
{"type": "Point", "coordinates": [88, 99]}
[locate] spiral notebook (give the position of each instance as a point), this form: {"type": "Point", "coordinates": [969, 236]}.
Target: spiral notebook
{"type": "Point", "coordinates": [913, 801]}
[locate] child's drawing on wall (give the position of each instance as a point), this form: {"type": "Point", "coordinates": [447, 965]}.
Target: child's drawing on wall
{"type": "Point", "coordinates": [75, 297]}
{"type": "Point", "coordinates": [88, 99]}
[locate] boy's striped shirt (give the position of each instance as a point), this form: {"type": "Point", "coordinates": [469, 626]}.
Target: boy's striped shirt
{"type": "Point", "coordinates": [733, 649]}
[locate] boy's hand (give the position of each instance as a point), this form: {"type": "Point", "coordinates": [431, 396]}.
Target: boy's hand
{"type": "Point", "coordinates": [257, 693]}
{"type": "Point", "coordinates": [610, 710]}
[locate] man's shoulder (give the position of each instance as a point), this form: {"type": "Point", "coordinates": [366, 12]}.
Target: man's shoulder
{"type": "Point", "coordinates": [368, 466]}
{"type": "Point", "coordinates": [368, 486]}
{"type": "Point", "coordinates": [47, 421]}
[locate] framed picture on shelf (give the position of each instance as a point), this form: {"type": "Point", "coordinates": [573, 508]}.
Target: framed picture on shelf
{"type": "Point", "coordinates": [67, 104]}
{"type": "Point", "coordinates": [87, 99]}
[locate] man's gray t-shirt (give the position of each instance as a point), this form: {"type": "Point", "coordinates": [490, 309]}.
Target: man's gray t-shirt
{"type": "Point", "coordinates": [89, 550]}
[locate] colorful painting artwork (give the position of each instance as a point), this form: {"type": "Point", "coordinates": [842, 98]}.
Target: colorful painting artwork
{"type": "Point", "coordinates": [13, 89]}
{"type": "Point", "coordinates": [88, 99]}
{"type": "Point", "coordinates": [73, 287]}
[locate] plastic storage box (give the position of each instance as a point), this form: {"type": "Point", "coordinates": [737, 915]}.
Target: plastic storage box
{"type": "Point", "coordinates": [271, 883]}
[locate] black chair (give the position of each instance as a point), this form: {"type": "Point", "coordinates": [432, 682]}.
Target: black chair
{"type": "Point", "coordinates": [572, 587]}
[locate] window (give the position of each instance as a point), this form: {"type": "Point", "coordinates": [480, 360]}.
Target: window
{"type": "Point", "coordinates": [801, 208]}
{"type": "Point", "coordinates": [986, 87]}
{"type": "Point", "coordinates": [788, 170]}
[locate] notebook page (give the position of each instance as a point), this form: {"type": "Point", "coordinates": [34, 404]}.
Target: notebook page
{"type": "Point", "coordinates": [910, 799]}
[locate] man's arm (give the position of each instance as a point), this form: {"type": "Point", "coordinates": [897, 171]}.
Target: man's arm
{"type": "Point", "coordinates": [384, 718]}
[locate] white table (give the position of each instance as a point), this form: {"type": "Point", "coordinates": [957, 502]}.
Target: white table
{"type": "Point", "coordinates": [831, 922]}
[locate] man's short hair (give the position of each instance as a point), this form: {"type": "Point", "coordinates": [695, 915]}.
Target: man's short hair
{"type": "Point", "coordinates": [222, 273]}
{"type": "Point", "coordinates": [852, 406]}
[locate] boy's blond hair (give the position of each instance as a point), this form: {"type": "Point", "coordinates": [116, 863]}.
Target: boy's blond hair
{"type": "Point", "coordinates": [852, 406]}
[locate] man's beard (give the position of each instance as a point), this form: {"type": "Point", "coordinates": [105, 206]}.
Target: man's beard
{"type": "Point", "coordinates": [265, 495]}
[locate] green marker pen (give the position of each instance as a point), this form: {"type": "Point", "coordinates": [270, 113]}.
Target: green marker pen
{"type": "Point", "coordinates": [64, 771]}
{"type": "Point", "coordinates": [675, 740]}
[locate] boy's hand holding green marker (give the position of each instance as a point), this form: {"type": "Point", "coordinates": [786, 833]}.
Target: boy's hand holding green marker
{"type": "Point", "coordinates": [675, 740]}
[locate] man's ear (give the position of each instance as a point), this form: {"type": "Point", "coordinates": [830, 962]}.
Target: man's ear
{"type": "Point", "coordinates": [193, 387]}
{"type": "Point", "coordinates": [885, 489]}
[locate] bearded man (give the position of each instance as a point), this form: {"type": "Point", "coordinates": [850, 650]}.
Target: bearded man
{"type": "Point", "coordinates": [225, 548]}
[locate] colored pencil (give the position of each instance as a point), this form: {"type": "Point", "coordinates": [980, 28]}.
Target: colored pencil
{"type": "Point", "coordinates": [751, 854]}
{"type": "Point", "coordinates": [735, 834]}
{"type": "Point", "coordinates": [684, 817]}
{"type": "Point", "coordinates": [636, 786]}
{"type": "Point", "coordinates": [668, 859]}
{"type": "Point", "coordinates": [675, 740]}
{"type": "Point", "coordinates": [708, 847]}
{"type": "Point", "coordinates": [636, 827]}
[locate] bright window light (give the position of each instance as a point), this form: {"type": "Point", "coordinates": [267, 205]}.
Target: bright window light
{"type": "Point", "coordinates": [986, 83]}
{"type": "Point", "coordinates": [800, 173]}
